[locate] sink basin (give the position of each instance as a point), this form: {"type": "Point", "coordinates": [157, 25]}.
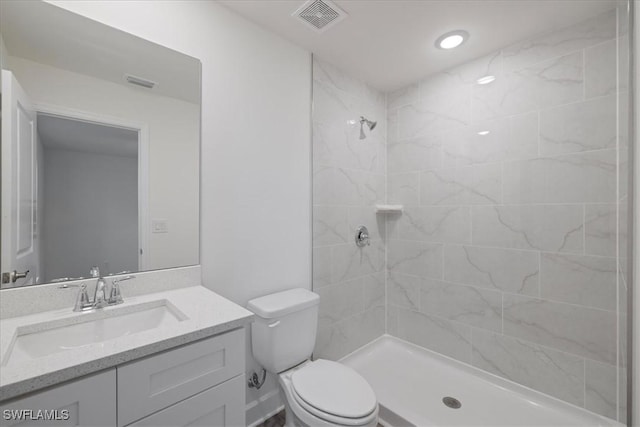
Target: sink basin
{"type": "Point", "coordinates": [89, 329]}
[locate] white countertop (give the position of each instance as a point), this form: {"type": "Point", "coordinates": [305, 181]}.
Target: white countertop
{"type": "Point", "coordinates": [207, 314]}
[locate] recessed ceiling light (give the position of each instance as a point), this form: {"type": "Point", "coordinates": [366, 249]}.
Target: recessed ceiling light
{"type": "Point", "coordinates": [452, 39]}
{"type": "Point", "coordinates": [485, 80]}
{"type": "Point", "coordinates": [484, 132]}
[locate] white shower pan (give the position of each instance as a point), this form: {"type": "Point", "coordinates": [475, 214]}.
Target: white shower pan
{"type": "Point", "coordinates": [411, 382]}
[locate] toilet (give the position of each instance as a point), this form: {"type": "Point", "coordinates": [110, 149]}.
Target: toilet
{"type": "Point", "coordinates": [316, 393]}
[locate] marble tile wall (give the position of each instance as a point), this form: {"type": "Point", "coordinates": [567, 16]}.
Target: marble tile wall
{"type": "Point", "coordinates": [505, 255]}
{"type": "Point", "coordinates": [349, 177]}
{"type": "Point", "coordinates": [623, 212]}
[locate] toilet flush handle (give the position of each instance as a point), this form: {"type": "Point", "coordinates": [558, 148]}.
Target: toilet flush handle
{"type": "Point", "coordinates": [274, 324]}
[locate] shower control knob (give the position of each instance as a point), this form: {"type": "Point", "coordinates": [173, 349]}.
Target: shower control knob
{"type": "Point", "coordinates": [362, 236]}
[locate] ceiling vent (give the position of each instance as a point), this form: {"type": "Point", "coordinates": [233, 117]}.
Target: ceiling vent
{"type": "Point", "coordinates": [320, 14]}
{"type": "Point", "coordinates": [139, 81]}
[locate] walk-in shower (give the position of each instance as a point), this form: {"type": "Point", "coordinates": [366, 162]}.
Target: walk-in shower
{"type": "Point", "coordinates": [505, 270]}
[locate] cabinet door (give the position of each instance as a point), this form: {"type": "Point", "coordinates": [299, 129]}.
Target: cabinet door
{"type": "Point", "coordinates": [157, 382]}
{"type": "Point", "coordinates": [222, 405]}
{"type": "Point", "coordinates": [90, 401]}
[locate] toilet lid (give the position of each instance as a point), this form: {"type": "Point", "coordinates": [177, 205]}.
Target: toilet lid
{"type": "Point", "coordinates": [334, 389]}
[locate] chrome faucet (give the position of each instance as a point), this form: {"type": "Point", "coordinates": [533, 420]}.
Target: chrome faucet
{"type": "Point", "coordinates": [100, 293]}
{"type": "Point", "coordinates": [100, 300]}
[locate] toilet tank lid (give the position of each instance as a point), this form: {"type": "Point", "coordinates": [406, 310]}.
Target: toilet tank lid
{"type": "Point", "coordinates": [283, 303]}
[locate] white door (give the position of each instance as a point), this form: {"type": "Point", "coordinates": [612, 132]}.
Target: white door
{"type": "Point", "coordinates": [19, 237]}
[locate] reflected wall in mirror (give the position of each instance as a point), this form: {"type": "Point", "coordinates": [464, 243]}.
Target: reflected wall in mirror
{"type": "Point", "coordinates": [100, 149]}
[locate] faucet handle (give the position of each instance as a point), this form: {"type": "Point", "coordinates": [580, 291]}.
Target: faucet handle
{"type": "Point", "coordinates": [82, 300]}
{"type": "Point", "coordinates": [115, 296]}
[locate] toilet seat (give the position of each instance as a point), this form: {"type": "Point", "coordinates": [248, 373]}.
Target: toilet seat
{"type": "Point", "coordinates": [334, 393]}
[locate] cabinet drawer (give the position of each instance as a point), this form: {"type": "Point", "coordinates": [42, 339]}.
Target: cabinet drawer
{"type": "Point", "coordinates": [90, 401]}
{"type": "Point", "coordinates": [156, 382]}
{"type": "Point", "coordinates": [222, 405]}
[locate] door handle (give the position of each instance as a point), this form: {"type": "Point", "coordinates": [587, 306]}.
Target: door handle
{"type": "Point", "coordinates": [13, 276]}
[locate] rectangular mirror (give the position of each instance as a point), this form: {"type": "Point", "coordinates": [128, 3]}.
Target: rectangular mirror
{"type": "Point", "coordinates": [100, 149]}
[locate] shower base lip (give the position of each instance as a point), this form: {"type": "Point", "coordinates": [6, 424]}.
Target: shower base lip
{"type": "Point", "coordinates": [410, 383]}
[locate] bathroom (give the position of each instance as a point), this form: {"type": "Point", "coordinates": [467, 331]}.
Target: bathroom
{"type": "Point", "coordinates": [491, 286]}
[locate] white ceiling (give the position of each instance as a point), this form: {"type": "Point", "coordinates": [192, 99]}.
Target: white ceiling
{"type": "Point", "coordinates": [65, 134]}
{"type": "Point", "coordinates": [51, 35]}
{"type": "Point", "coordinates": [390, 43]}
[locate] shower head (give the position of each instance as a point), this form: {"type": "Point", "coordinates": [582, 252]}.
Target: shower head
{"type": "Point", "coordinates": [371, 125]}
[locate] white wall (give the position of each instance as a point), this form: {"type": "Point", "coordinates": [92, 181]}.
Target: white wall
{"type": "Point", "coordinates": [74, 235]}
{"type": "Point", "coordinates": [256, 189]}
{"type": "Point", "coordinates": [173, 148]}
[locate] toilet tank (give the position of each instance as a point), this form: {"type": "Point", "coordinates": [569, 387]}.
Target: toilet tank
{"type": "Point", "coordinates": [284, 331]}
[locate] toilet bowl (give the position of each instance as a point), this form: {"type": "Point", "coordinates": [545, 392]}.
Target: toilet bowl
{"type": "Point", "coordinates": [325, 393]}
{"type": "Point", "coordinates": [318, 393]}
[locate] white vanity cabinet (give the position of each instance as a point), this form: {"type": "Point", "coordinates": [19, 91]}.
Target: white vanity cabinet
{"type": "Point", "coordinates": [198, 384]}
{"type": "Point", "coordinates": [90, 401]}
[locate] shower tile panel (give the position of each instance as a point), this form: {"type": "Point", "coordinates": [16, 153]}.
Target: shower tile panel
{"type": "Point", "coordinates": [338, 339]}
{"type": "Point", "coordinates": [570, 178]}
{"type": "Point", "coordinates": [588, 33]}
{"type": "Point", "coordinates": [556, 228]}
{"type": "Point", "coordinates": [582, 126]}
{"type": "Point", "coordinates": [481, 308]}
{"type": "Point", "coordinates": [404, 188]}
{"type": "Point", "coordinates": [374, 290]}
{"type": "Point", "coordinates": [332, 106]}
{"type": "Point", "coordinates": [556, 81]}
{"type": "Point", "coordinates": [470, 72]}
{"type": "Point", "coordinates": [340, 146]}
{"type": "Point", "coordinates": [550, 83]}
{"type": "Point", "coordinates": [321, 266]}
{"type": "Point", "coordinates": [404, 291]}
{"type": "Point", "coordinates": [600, 229]}
{"type": "Point", "coordinates": [416, 154]}
{"type": "Point", "coordinates": [392, 126]}
{"type": "Point", "coordinates": [509, 138]}
{"type": "Point", "coordinates": [600, 390]}
{"type": "Point", "coordinates": [600, 69]}
{"type": "Point", "coordinates": [339, 301]}
{"type": "Point", "coordinates": [470, 185]}
{"type": "Point", "coordinates": [346, 187]}
{"type": "Point", "coordinates": [435, 333]}
{"type": "Point", "coordinates": [506, 96]}
{"type": "Point", "coordinates": [574, 329]}
{"type": "Point", "coordinates": [541, 368]}
{"type": "Point", "coordinates": [437, 112]}
{"type": "Point", "coordinates": [329, 225]}
{"type": "Point", "coordinates": [449, 224]}
{"type": "Point", "coordinates": [512, 271]}
{"type": "Point", "coordinates": [349, 261]}
{"type": "Point", "coordinates": [577, 279]}
{"type": "Point", "coordinates": [415, 258]}
{"type": "Point", "coordinates": [326, 75]}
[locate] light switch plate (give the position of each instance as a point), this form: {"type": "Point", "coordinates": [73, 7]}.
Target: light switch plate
{"type": "Point", "coordinates": [159, 226]}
